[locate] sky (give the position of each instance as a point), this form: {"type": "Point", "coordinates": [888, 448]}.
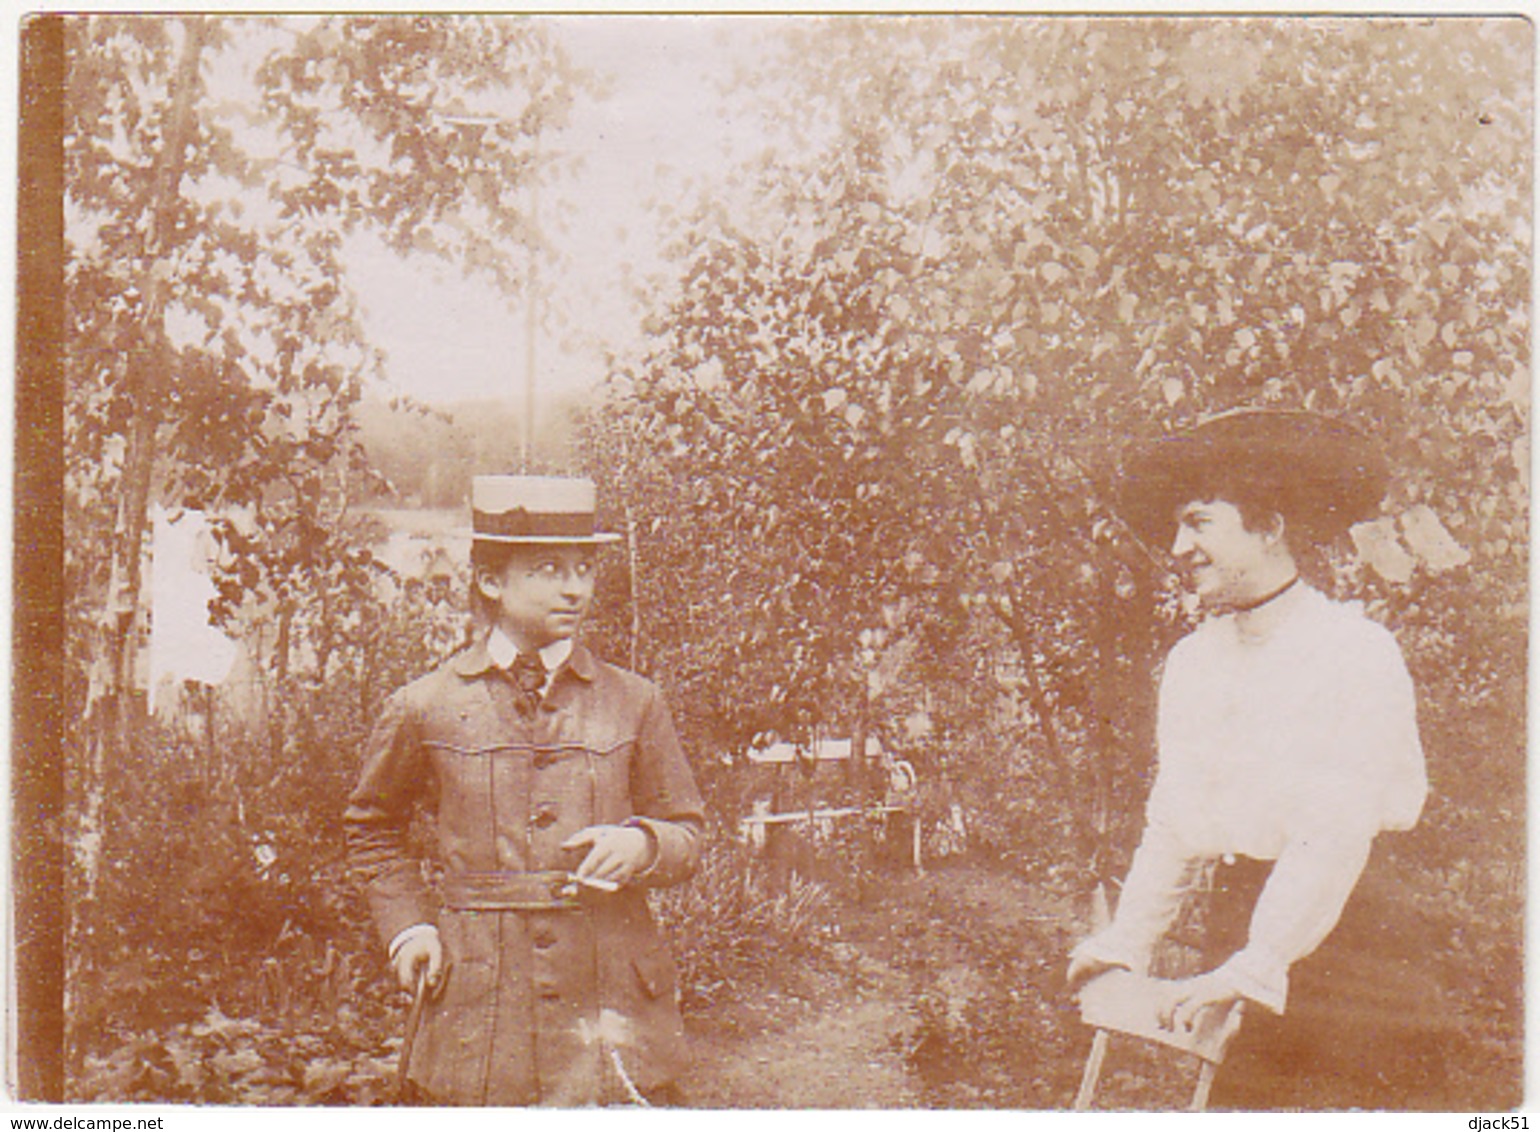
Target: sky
{"type": "Point", "coordinates": [449, 339]}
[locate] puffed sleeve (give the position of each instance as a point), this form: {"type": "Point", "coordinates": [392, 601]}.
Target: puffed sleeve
{"type": "Point", "coordinates": [664, 797]}
{"type": "Point", "coordinates": [1377, 749]}
{"type": "Point", "coordinates": [395, 775]}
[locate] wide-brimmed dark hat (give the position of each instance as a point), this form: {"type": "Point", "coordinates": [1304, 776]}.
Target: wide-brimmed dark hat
{"type": "Point", "coordinates": [534, 510]}
{"type": "Point", "coordinates": [1320, 473]}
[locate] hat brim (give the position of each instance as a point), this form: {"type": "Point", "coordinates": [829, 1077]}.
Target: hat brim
{"type": "Point", "coordinates": [601, 538]}
{"type": "Point", "coordinates": [1322, 474]}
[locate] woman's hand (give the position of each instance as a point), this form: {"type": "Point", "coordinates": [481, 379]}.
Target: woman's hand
{"type": "Point", "coordinates": [1190, 997]}
{"type": "Point", "coordinates": [1084, 968]}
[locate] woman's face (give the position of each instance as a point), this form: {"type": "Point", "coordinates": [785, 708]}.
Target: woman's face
{"type": "Point", "coordinates": [1222, 560]}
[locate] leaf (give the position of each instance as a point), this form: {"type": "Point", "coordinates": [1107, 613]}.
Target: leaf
{"type": "Point", "coordinates": [1386, 371]}
{"type": "Point", "coordinates": [240, 1062]}
{"type": "Point", "coordinates": [1430, 541]}
{"type": "Point", "coordinates": [1378, 545]}
{"type": "Point", "coordinates": [324, 1075]}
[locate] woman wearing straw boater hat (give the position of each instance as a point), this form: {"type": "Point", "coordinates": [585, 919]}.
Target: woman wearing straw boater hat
{"type": "Point", "coordinates": [1287, 742]}
{"type": "Point", "coordinates": [562, 796]}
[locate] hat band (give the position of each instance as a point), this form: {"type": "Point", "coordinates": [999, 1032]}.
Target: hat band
{"type": "Point", "coordinates": [521, 523]}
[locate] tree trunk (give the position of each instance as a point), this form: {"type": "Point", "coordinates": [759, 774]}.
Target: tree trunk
{"type": "Point", "coordinates": [1037, 696]}
{"type": "Point", "coordinates": [108, 709]}
{"type": "Point", "coordinates": [634, 584]}
{"type": "Point", "coordinates": [858, 770]}
{"type": "Point", "coordinates": [1106, 697]}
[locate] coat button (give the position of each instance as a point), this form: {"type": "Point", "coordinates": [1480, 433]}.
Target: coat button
{"type": "Point", "coordinates": [544, 938]}
{"type": "Point", "coordinates": [544, 759]}
{"type": "Point", "coordinates": [545, 817]}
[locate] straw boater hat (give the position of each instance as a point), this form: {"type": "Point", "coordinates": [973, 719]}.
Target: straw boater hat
{"type": "Point", "coordinates": [1321, 474]}
{"type": "Point", "coordinates": [535, 511]}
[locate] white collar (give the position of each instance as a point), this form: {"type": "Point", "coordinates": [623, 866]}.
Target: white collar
{"type": "Point", "coordinates": [503, 652]}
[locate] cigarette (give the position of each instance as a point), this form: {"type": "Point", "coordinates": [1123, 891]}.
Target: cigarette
{"type": "Point", "coordinates": [597, 882]}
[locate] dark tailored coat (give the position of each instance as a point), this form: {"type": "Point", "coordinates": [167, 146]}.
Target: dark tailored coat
{"type": "Point", "coordinates": [538, 1004]}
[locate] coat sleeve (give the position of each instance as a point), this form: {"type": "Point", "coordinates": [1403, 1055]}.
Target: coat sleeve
{"type": "Point", "coordinates": [664, 797]}
{"type": "Point", "coordinates": [395, 775]}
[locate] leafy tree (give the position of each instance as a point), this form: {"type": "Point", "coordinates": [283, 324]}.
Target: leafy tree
{"type": "Point", "coordinates": [978, 256]}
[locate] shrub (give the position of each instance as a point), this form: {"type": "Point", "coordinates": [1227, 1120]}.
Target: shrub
{"type": "Point", "coordinates": [731, 924]}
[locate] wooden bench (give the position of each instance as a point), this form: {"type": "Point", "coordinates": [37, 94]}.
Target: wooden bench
{"type": "Point", "coordinates": [898, 798]}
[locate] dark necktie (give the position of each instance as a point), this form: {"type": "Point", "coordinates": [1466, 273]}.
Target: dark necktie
{"type": "Point", "coordinates": [528, 675]}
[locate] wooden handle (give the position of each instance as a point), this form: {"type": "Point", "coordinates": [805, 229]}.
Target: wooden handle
{"type": "Point", "coordinates": [413, 1021]}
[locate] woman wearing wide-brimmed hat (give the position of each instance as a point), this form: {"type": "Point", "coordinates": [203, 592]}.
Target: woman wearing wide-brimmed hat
{"type": "Point", "coordinates": [562, 795]}
{"type": "Point", "coordinates": [1288, 742]}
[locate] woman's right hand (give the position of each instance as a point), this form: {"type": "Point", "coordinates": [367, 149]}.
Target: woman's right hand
{"type": "Point", "coordinates": [1084, 968]}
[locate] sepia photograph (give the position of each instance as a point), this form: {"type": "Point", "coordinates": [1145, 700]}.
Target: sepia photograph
{"type": "Point", "coordinates": [818, 562]}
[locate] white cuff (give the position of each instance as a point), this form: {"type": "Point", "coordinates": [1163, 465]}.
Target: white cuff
{"type": "Point", "coordinates": [409, 933]}
{"type": "Point", "coordinates": [654, 842]}
{"type": "Point", "coordinates": [1110, 946]}
{"type": "Point", "coordinates": [1260, 976]}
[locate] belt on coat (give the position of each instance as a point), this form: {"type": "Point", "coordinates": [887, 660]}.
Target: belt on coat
{"type": "Point", "coordinates": [544, 891]}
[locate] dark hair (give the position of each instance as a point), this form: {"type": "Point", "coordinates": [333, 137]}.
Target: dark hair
{"type": "Point", "coordinates": [490, 558]}
{"type": "Point", "coordinates": [1319, 473]}
{"type": "Point", "coordinates": [1258, 502]}
{"type": "Point", "coordinates": [1259, 499]}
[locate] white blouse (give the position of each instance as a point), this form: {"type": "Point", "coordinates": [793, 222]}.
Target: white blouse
{"type": "Point", "coordinates": [1293, 739]}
